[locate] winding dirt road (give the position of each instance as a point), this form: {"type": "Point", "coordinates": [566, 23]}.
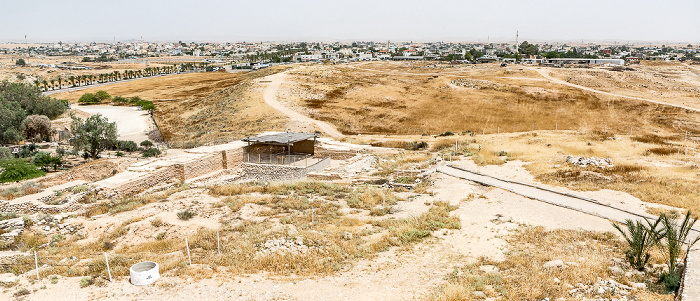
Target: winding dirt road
{"type": "Point", "coordinates": [270, 96]}
{"type": "Point", "coordinates": [546, 75]}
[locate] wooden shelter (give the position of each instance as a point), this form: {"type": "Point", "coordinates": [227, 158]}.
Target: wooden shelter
{"type": "Point", "coordinates": [280, 148]}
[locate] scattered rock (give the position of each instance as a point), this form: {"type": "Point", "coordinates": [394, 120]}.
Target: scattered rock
{"type": "Point", "coordinates": [479, 294]}
{"type": "Point", "coordinates": [347, 235]}
{"type": "Point", "coordinates": [583, 161]}
{"type": "Point", "coordinates": [553, 264]}
{"type": "Point", "coordinates": [615, 270]}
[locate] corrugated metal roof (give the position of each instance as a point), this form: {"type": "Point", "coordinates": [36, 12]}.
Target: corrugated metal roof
{"type": "Point", "coordinates": [282, 138]}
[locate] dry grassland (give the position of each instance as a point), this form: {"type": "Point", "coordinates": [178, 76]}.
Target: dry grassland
{"type": "Point", "coordinates": [409, 98]}
{"type": "Point", "coordinates": [521, 276]}
{"type": "Point", "coordinates": [656, 178]}
{"type": "Point", "coordinates": [669, 82]}
{"type": "Point", "coordinates": [201, 108]}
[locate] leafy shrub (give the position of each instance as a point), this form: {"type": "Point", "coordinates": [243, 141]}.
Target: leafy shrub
{"type": "Point", "coordinates": [445, 134]}
{"type": "Point", "coordinates": [44, 160]}
{"type": "Point", "coordinates": [186, 215]}
{"type": "Point", "coordinates": [87, 281]}
{"type": "Point", "coordinates": [119, 154]}
{"type": "Point", "coordinates": [88, 98]}
{"type": "Point", "coordinates": [125, 145]}
{"type": "Point", "coordinates": [120, 99]}
{"type": "Point", "coordinates": [102, 95]}
{"type": "Point", "coordinates": [146, 143]}
{"type": "Point", "coordinates": [640, 240]}
{"type": "Point", "coordinates": [135, 99]}
{"type": "Point", "coordinates": [28, 150]}
{"type": "Point", "coordinates": [5, 153]}
{"type": "Point", "coordinates": [151, 152]}
{"type": "Point", "coordinates": [16, 170]}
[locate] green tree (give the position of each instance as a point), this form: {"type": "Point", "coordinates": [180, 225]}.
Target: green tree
{"type": "Point", "coordinates": [102, 95]}
{"type": "Point", "coordinates": [528, 49]}
{"type": "Point", "coordinates": [11, 117]}
{"type": "Point", "coordinates": [44, 160]}
{"type": "Point", "coordinates": [88, 98]}
{"type": "Point", "coordinates": [94, 135]}
{"type": "Point", "coordinates": [36, 125]}
{"type": "Point", "coordinates": [20, 62]}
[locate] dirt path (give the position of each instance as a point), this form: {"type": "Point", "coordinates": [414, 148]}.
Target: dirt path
{"type": "Point", "coordinates": [546, 75]}
{"type": "Point", "coordinates": [270, 95]}
{"type": "Point", "coordinates": [132, 124]}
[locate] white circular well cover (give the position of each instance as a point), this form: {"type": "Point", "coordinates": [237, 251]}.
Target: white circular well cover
{"type": "Point", "coordinates": [144, 273]}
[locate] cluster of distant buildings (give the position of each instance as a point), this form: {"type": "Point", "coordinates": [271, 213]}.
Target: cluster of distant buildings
{"type": "Point", "coordinates": [268, 52]}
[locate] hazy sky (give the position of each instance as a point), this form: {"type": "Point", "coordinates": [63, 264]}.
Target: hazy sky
{"type": "Point", "coordinates": [288, 20]}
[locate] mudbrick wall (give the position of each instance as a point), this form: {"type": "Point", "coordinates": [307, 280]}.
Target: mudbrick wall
{"type": "Point", "coordinates": [204, 165]}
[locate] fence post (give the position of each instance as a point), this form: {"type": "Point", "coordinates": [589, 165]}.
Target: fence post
{"type": "Point", "coordinates": [109, 272]}
{"type": "Point", "coordinates": [218, 243]}
{"type": "Point", "coordinates": [36, 265]}
{"type": "Point", "coordinates": [189, 258]}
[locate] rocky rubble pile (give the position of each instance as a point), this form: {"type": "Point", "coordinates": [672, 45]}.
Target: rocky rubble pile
{"type": "Point", "coordinates": [355, 166]}
{"type": "Point", "coordinates": [583, 161]}
{"type": "Point", "coordinates": [286, 245]}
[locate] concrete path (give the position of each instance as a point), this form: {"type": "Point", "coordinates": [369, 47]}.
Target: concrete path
{"type": "Point", "coordinates": [561, 199]}
{"type": "Point", "coordinates": [546, 75]}
{"type": "Point", "coordinates": [132, 124]}
{"type": "Point", "coordinates": [270, 95]}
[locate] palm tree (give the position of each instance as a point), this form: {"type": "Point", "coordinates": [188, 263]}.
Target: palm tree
{"type": "Point", "coordinates": [59, 83]}
{"type": "Point", "coordinates": [53, 84]}
{"type": "Point", "coordinates": [71, 79]}
{"type": "Point", "coordinates": [37, 83]}
{"type": "Point", "coordinates": [46, 85]}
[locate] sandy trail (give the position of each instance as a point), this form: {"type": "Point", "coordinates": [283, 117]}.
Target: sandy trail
{"type": "Point", "coordinates": [270, 95]}
{"type": "Point", "coordinates": [132, 124]}
{"type": "Point", "coordinates": [546, 75]}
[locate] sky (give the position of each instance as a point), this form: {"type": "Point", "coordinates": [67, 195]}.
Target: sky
{"type": "Point", "coordinates": [343, 20]}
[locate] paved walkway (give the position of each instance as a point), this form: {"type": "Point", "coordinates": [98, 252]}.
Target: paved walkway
{"type": "Point", "coordinates": [270, 95]}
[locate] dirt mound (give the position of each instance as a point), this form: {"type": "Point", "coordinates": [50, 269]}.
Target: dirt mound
{"type": "Point", "coordinates": [99, 169]}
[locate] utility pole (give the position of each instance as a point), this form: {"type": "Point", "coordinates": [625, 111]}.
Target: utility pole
{"type": "Point", "coordinates": [26, 45]}
{"type": "Point", "coordinates": [517, 36]}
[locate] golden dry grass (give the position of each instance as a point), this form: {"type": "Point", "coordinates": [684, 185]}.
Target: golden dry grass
{"type": "Point", "coordinates": [480, 99]}
{"type": "Point", "coordinates": [664, 179]}
{"type": "Point", "coordinates": [523, 277]}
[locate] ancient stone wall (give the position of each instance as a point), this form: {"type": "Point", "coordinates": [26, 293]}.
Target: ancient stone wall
{"type": "Point", "coordinates": [208, 164]}
{"type": "Point", "coordinates": [267, 172]}
{"type": "Point", "coordinates": [163, 174]}
{"type": "Point", "coordinates": [335, 155]}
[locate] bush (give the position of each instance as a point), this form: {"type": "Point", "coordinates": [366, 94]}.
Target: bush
{"type": "Point", "coordinates": [119, 154]}
{"type": "Point", "coordinates": [102, 95]}
{"type": "Point", "coordinates": [120, 99]}
{"type": "Point", "coordinates": [125, 145]}
{"type": "Point", "coordinates": [135, 99]}
{"type": "Point", "coordinates": [16, 170]}
{"type": "Point", "coordinates": [640, 240]}
{"type": "Point", "coordinates": [36, 125]}
{"type": "Point", "coordinates": [186, 215]}
{"type": "Point", "coordinates": [88, 98]}
{"type": "Point", "coordinates": [146, 143]}
{"type": "Point", "coordinates": [151, 152]}
{"type": "Point", "coordinates": [5, 153]}
{"type": "Point", "coordinates": [87, 281]}
{"type": "Point", "coordinates": [28, 150]}
{"type": "Point", "coordinates": [20, 62]}
{"type": "Point", "coordinates": [44, 160]}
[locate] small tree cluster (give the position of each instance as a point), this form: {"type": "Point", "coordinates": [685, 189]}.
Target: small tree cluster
{"type": "Point", "coordinates": [36, 126]}
{"type": "Point", "coordinates": [93, 135]}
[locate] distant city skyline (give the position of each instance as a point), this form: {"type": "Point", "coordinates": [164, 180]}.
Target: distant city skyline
{"type": "Point", "coordinates": [674, 21]}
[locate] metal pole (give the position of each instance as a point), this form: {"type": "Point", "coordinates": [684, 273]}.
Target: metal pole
{"type": "Point", "coordinates": [109, 272]}
{"type": "Point", "coordinates": [189, 258]}
{"type": "Point", "coordinates": [36, 265]}
{"type": "Point", "coordinates": [218, 243]}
